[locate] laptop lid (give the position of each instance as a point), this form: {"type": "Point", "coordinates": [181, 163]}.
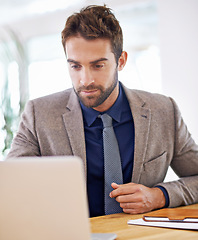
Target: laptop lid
{"type": "Point", "coordinates": [43, 199]}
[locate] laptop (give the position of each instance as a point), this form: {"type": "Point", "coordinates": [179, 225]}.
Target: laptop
{"type": "Point", "coordinates": [44, 199]}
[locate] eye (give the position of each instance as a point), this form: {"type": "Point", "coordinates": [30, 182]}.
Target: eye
{"type": "Point", "coordinates": [75, 66]}
{"type": "Point", "coordinates": [98, 66]}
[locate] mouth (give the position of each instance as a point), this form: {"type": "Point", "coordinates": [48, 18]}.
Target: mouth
{"type": "Point", "coordinates": [89, 92]}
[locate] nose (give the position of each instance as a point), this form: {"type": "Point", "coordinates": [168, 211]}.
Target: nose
{"type": "Point", "coordinates": [86, 77]}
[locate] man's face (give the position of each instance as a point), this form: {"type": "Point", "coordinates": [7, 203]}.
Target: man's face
{"type": "Point", "coordinates": [93, 71]}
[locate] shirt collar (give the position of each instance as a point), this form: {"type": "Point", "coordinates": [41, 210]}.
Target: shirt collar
{"type": "Point", "coordinates": [114, 111]}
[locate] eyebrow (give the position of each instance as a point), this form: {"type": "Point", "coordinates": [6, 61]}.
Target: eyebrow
{"type": "Point", "coordinates": [92, 62]}
{"type": "Point", "coordinates": [72, 61]}
{"type": "Point", "coordinates": [99, 60]}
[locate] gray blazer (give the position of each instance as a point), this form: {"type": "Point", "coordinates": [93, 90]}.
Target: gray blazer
{"type": "Point", "coordinates": [53, 125]}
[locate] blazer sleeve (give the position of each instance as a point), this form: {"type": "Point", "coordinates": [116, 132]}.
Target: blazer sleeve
{"type": "Point", "coordinates": [25, 142]}
{"type": "Point", "coordinates": [184, 191]}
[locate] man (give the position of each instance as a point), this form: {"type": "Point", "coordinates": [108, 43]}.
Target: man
{"type": "Point", "coordinates": [149, 129]}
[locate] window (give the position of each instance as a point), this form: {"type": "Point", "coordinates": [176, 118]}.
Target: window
{"type": "Point", "coordinates": [48, 68]}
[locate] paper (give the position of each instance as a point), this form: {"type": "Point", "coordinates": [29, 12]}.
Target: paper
{"type": "Point", "coordinates": [177, 225]}
{"type": "Point", "coordinates": [164, 219]}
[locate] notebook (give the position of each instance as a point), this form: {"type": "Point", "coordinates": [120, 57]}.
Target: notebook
{"type": "Point", "coordinates": [170, 218]}
{"type": "Point", "coordinates": [44, 198]}
{"type": "Point", "coordinates": [173, 215]}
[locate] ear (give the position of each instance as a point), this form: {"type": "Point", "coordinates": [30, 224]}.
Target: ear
{"type": "Point", "coordinates": [122, 60]}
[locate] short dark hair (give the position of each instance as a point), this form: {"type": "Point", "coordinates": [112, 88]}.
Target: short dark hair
{"type": "Point", "coordinates": [95, 22]}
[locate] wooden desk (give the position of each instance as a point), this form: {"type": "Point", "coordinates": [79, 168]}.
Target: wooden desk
{"type": "Point", "coordinates": [117, 223]}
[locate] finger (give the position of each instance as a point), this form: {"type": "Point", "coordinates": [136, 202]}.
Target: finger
{"type": "Point", "coordinates": [124, 189]}
{"type": "Point", "coordinates": [115, 185]}
{"type": "Point", "coordinates": [130, 205]}
{"type": "Point", "coordinates": [130, 198]}
{"type": "Point", "coordinates": [133, 208]}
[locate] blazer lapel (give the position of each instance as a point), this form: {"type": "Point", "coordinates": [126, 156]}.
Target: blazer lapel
{"type": "Point", "coordinates": [141, 117]}
{"type": "Point", "coordinates": [73, 121]}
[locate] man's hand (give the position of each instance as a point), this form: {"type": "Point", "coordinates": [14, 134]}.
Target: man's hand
{"type": "Point", "coordinates": [136, 198]}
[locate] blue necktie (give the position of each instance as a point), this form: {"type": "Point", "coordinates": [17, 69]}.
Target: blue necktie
{"type": "Point", "coordinates": [112, 164]}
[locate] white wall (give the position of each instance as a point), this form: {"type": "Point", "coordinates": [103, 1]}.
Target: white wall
{"type": "Point", "coordinates": [178, 31]}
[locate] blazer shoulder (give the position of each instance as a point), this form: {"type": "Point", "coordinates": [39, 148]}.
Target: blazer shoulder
{"type": "Point", "coordinates": [55, 103]}
{"type": "Point", "coordinates": [148, 99]}
{"type": "Point", "coordinates": [52, 100]}
{"type": "Point", "coordinates": [62, 96]}
{"type": "Point", "coordinates": [151, 96]}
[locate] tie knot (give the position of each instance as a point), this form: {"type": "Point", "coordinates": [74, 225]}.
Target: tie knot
{"type": "Point", "coordinates": [107, 120]}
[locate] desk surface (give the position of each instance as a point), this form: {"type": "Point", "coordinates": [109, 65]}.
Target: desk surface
{"type": "Point", "coordinates": [117, 223]}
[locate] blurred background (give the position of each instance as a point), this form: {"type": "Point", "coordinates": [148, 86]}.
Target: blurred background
{"type": "Point", "coordinates": [160, 37]}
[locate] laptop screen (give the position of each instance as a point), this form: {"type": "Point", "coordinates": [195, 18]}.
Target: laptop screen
{"type": "Point", "coordinates": [43, 198]}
